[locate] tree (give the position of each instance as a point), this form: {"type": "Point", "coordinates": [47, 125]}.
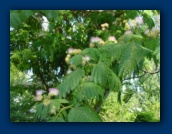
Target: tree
{"type": "Point", "coordinates": [86, 55]}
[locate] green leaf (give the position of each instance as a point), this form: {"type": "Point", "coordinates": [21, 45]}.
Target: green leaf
{"type": "Point", "coordinates": [112, 51]}
{"type": "Point", "coordinates": [15, 20]}
{"type": "Point", "coordinates": [157, 53]}
{"type": "Point", "coordinates": [51, 14]}
{"type": "Point", "coordinates": [147, 19]}
{"type": "Point", "coordinates": [100, 74]}
{"type": "Point", "coordinates": [63, 101]}
{"type": "Point", "coordinates": [25, 14]}
{"type": "Point", "coordinates": [92, 52]}
{"type": "Point", "coordinates": [41, 111]}
{"type": "Point", "coordinates": [114, 83]}
{"type": "Point", "coordinates": [127, 95]}
{"type": "Point", "coordinates": [27, 54]}
{"type": "Point", "coordinates": [59, 119]}
{"type": "Point", "coordinates": [105, 77]}
{"type": "Point", "coordinates": [55, 103]}
{"type": "Point", "coordinates": [76, 60]}
{"type": "Point", "coordinates": [51, 55]}
{"type": "Point", "coordinates": [17, 17]}
{"type": "Point", "coordinates": [131, 57]}
{"type": "Point", "coordinates": [70, 82]}
{"type": "Point", "coordinates": [131, 14]}
{"type": "Point", "coordinates": [83, 114]}
{"type": "Point", "coordinates": [88, 91]}
{"type": "Point", "coordinates": [16, 56]}
{"type": "Point", "coordinates": [128, 37]}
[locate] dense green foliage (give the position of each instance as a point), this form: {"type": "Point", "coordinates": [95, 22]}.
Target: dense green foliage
{"type": "Point", "coordinates": [87, 65]}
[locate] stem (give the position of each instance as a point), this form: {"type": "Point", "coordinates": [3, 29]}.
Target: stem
{"type": "Point", "coordinates": [99, 104]}
{"type": "Point", "coordinates": [64, 108]}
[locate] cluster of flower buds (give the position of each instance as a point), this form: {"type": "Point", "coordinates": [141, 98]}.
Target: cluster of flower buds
{"type": "Point", "coordinates": [104, 26]}
{"type": "Point", "coordinates": [73, 51]}
{"type": "Point", "coordinates": [70, 52]}
{"type": "Point", "coordinates": [67, 58]}
{"type": "Point", "coordinates": [96, 41]}
{"type": "Point", "coordinates": [85, 59]}
{"type": "Point", "coordinates": [154, 32]}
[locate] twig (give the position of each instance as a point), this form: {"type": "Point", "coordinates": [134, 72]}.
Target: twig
{"type": "Point", "coordinates": [154, 72]}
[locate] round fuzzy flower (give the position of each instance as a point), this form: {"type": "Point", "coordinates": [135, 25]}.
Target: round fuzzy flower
{"type": "Point", "coordinates": [38, 97]}
{"type": "Point", "coordinates": [112, 38]}
{"type": "Point", "coordinates": [139, 20]}
{"type": "Point", "coordinates": [128, 32]}
{"type": "Point", "coordinates": [87, 58]}
{"type": "Point", "coordinates": [39, 92]}
{"type": "Point", "coordinates": [96, 40]}
{"type": "Point", "coordinates": [53, 92]}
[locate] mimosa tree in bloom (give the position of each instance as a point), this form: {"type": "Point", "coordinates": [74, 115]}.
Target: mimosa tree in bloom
{"type": "Point", "coordinates": [83, 56]}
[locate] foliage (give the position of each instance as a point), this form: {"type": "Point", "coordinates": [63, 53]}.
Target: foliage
{"type": "Point", "coordinates": [145, 117]}
{"type": "Point", "coordinates": [86, 55]}
{"type": "Point", "coordinates": [21, 102]}
{"type": "Point", "coordinates": [84, 114]}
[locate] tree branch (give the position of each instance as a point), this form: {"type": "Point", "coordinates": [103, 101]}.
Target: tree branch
{"type": "Point", "coordinates": [43, 80]}
{"type": "Point", "coordinates": [134, 77]}
{"type": "Point", "coordinates": [154, 72]}
{"type": "Point", "coordinates": [145, 72]}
